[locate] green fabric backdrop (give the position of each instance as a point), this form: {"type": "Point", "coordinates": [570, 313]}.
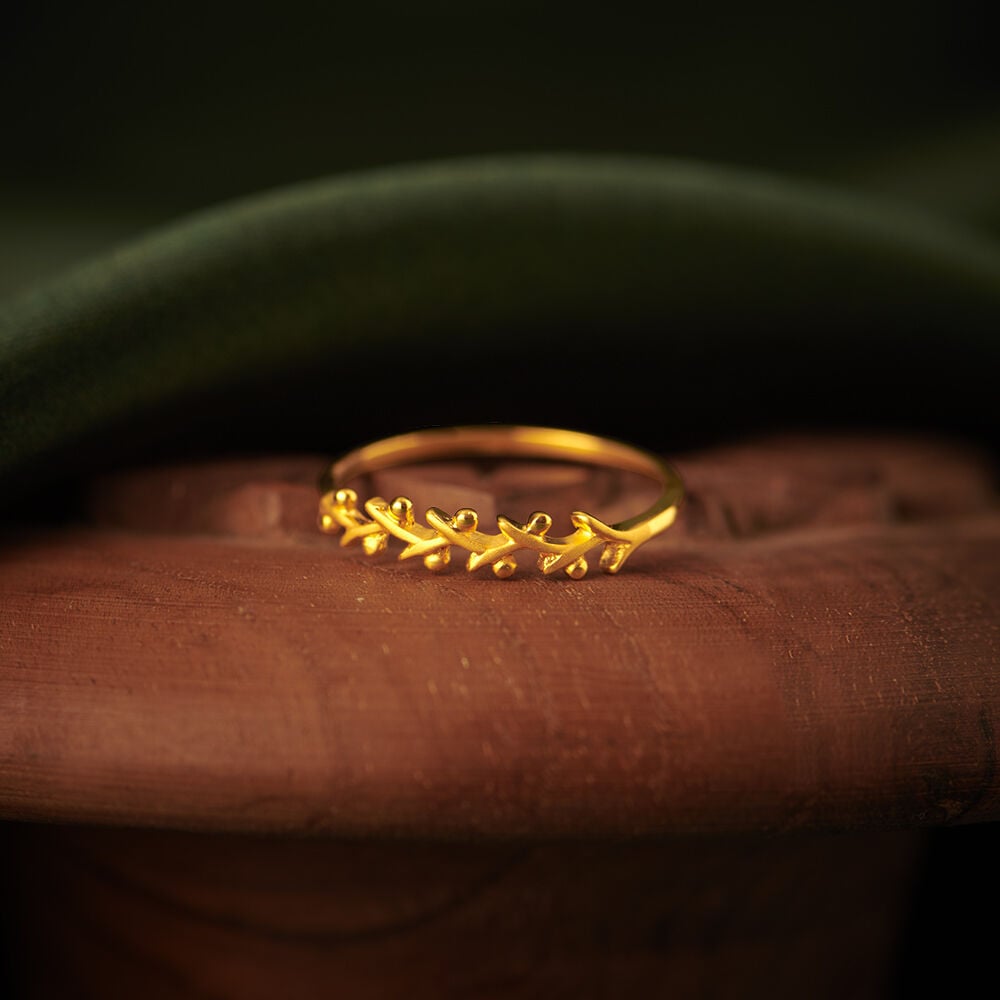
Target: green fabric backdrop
{"type": "Point", "coordinates": [842, 268]}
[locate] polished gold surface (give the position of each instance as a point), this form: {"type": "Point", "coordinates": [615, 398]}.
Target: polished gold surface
{"type": "Point", "coordinates": [377, 519]}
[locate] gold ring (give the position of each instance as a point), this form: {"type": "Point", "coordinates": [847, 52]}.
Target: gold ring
{"type": "Point", "coordinates": [378, 519]}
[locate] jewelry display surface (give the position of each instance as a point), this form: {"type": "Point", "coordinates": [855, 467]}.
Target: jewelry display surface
{"type": "Point", "coordinates": [194, 655]}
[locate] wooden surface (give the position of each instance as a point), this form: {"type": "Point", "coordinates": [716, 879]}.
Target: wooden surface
{"type": "Point", "coordinates": [105, 913]}
{"type": "Point", "coordinates": [814, 646]}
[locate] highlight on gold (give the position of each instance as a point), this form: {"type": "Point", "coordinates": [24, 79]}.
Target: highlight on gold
{"type": "Point", "coordinates": [376, 520]}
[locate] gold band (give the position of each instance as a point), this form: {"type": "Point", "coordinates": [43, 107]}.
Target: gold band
{"type": "Point", "coordinates": [380, 519]}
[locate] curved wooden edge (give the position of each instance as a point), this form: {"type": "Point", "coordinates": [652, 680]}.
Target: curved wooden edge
{"type": "Point", "coordinates": [839, 674]}
{"type": "Point", "coordinates": [114, 913]}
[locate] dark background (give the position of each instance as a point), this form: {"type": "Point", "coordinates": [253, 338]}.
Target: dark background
{"type": "Point", "coordinates": [132, 114]}
{"type": "Point", "coordinates": [118, 118]}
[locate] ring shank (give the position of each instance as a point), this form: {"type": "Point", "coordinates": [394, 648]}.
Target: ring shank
{"type": "Point", "coordinates": [506, 441]}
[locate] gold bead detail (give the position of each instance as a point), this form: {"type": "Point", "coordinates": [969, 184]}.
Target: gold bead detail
{"type": "Point", "coordinates": [465, 519]}
{"type": "Point", "coordinates": [437, 561]}
{"type": "Point", "coordinates": [402, 511]}
{"type": "Point", "coordinates": [504, 568]}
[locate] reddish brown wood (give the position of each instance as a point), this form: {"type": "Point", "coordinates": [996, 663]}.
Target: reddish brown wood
{"type": "Point", "coordinates": [815, 646]}
{"type": "Point", "coordinates": [156, 915]}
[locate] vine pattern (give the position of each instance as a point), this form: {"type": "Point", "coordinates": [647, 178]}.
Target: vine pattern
{"type": "Point", "coordinates": [434, 541]}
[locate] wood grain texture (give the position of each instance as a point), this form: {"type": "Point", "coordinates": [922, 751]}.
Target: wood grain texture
{"type": "Point", "coordinates": [815, 646]}
{"type": "Point", "coordinates": [164, 915]}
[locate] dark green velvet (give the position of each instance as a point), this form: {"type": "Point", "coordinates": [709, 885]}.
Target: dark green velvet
{"type": "Point", "coordinates": [626, 273]}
